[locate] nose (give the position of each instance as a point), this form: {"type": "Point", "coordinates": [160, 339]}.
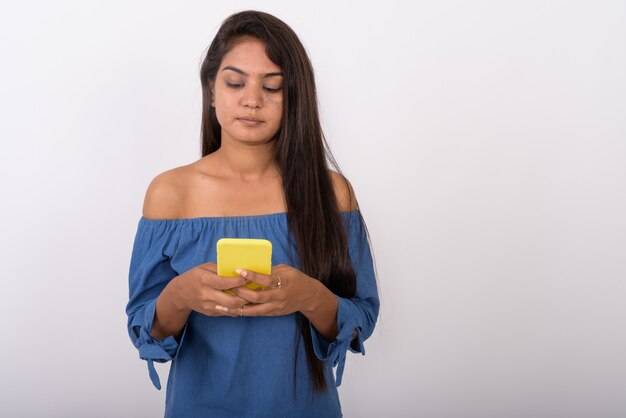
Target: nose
{"type": "Point", "coordinates": [252, 96]}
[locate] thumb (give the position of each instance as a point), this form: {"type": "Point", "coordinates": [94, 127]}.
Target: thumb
{"type": "Point", "coordinates": [212, 267]}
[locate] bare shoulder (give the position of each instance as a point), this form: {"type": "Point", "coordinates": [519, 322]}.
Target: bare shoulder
{"type": "Point", "coordinates": [346, 199]}
{"type": "Point", "coordinates": [166, 193]}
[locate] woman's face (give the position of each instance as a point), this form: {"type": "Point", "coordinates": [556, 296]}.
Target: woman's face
{"type": "Point", "coordinates": [248, 93]}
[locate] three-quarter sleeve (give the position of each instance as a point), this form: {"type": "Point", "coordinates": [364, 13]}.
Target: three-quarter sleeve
{"type": "Point", "coordinates": [149, 273]}
{"type": "Point", "coordinates": [358, 313]}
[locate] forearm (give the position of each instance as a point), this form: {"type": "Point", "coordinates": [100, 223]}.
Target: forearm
{"type": "Point", "coordinates": [322, 312]}
{"type": "Point", "coordinates": [169, 316]}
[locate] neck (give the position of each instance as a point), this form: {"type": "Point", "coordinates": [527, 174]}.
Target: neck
{"type": "Point", "coordinates": [247, 162]}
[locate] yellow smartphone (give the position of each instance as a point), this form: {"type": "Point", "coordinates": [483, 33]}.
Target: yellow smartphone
{"type": "Point", "coordinates": [246, 254]}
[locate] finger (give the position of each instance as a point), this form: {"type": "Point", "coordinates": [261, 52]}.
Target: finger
{"type": "Point", "coordinates": [222, 283]}
{"type": "Point", "coordinates": [282, 272]}
{"type": "Point", "coordinates": [227, 301]}
{"type": "Point", "coordinates": [280, 267]}
{"type": "Point", "coordinates": [212, 267]}
{"type": "Point", "coordinates": [262, 279]}
{"type": "Point", "coordinates": [253, 296]}
{"type": "Point", "coordinates": [263, 309]}
{"type": "Point", "coordinates": [225, 311]}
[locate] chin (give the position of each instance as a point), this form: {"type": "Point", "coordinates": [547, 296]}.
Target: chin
{"type": "Point", "coordinates": [255, 141]}
{"type": "Point", "coordinates": [258, 139]}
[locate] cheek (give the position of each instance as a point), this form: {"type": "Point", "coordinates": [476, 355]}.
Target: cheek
{"type": "Point", "coordinates": [276, 106]}
{"type": "Point", "coordinates": [223, 108]}
{"type": "Point", "coordinates": [275, 100]}
{"type": "Point", "coordinates": [278, 116]}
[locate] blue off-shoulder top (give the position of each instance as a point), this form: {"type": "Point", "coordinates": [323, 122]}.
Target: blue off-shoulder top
{"type": "Point", "coordinates": [243, 366]}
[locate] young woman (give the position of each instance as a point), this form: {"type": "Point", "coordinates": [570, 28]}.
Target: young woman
{"type": "Point", "coordinates": [264, 173]}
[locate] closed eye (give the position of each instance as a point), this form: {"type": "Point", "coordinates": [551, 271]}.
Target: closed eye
{"type": "Point", "coordinates": [234, 86]}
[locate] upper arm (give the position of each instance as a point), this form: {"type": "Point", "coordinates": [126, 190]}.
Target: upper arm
{"type": "Point", "coordinates": [346, 199]}
{"type": "Point", "coordinates": [163, 197]}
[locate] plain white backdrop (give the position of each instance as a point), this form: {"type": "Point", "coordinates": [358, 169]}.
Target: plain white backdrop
{"type": "Point", "coordinates": [486, 141]}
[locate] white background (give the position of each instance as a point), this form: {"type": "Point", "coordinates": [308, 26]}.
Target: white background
{"type": "Point", "coordinates": [486, 141]}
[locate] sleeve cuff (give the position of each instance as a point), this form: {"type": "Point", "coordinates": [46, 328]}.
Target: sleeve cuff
{"type": "Point", "coordinates": [335, 351]}
{"type": "Point", "coordinates": [154, 349]}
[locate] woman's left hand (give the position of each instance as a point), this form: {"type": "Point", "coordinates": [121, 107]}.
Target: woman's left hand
{"type": "Point", "coordinates": [288, 290]}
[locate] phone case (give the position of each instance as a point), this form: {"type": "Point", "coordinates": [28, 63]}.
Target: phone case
{"type": "Point", "coordinates": [246, 254]}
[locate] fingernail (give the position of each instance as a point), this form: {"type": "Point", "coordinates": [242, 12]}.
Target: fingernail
{"type": "Point", "coordinates": [221, 308]}
{"type": "Point", "coordinates": [243, 273]}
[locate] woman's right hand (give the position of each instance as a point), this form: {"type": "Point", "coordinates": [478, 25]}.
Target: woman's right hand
{"type": "Point", "coordinates": [198, 289]}
{"type": "Point", "coordinates": [201, 289]}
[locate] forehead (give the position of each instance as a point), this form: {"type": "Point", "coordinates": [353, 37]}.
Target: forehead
{"type": "Point", "coordinates": [248, 54]}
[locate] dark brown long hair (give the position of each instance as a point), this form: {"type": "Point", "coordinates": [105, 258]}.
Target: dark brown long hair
{"type": "Point", "coordinates": [302, 155]}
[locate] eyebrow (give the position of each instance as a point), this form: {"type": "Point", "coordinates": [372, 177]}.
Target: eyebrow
{"type": "Point", "coordinates": [242, 72]}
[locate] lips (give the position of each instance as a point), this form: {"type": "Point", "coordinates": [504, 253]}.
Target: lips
{"type": "Point", "coordinates": [250, 120]}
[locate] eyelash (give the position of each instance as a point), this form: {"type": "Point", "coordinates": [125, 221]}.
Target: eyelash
{"type": "Point", "coordinates": [238, 86]}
